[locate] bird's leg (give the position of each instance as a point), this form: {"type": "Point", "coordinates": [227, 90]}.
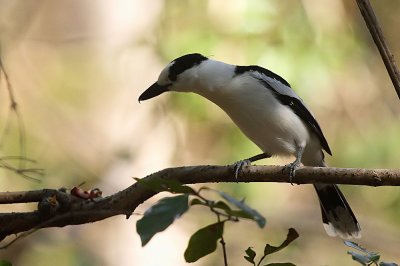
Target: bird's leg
{"type": "Point", "coordinates": [238, 166]}
{"type": "Point", "coordinates": [292, 167]}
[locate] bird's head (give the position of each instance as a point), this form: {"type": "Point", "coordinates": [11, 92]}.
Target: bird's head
{"type": "Point", "coordinates": [179, 75]}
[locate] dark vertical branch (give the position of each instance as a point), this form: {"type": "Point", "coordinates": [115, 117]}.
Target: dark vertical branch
{"type": "Point", "coordinates": [376, 32]}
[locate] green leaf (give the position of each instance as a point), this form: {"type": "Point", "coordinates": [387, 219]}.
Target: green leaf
{"type": "Point", "coordinates": [281, 264]}
{"type": "Point", "coordinates": [362, 259]}
{"type": "Point", "coordinates": [197, 202]}
{"type": "Point", "coordinates": [355, 246]}
{"type": "Point", "coordinates": [369, 256]}
{"type": "Point", "coordinates": [256, 216]}
{"type": "Point", "coordinates": [5, 263]}
{"type": "Point", "coordinates": [250, 255]}
{"type": "Point", "coordinates": [221, 205]}
{"type": "Point", "coordinates": [373, 255]}
{"type": "Point", "coordinates": [204, 241]}
{"type": "Point", "coordinates": [388, 264]}
{"type": "Point", "coordinates": [160, 216]}
{"type": "Point", "coordinates": [161, 184]}
{"type": "Point", "coordinates": [216, 205]}
{"type": "Point", "coordinates": [291, 236]}
{"type": "Point", "coordinates": [239, 213]}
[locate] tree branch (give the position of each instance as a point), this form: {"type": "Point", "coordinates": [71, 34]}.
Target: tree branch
{"type": "Point", "coordinates": [66, 209]}
{"type": "Point", "coordinates": [376, 32]}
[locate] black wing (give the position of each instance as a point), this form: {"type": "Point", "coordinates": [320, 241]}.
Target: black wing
{"type": "Point", "coordinates": [301, 111]}
{"type": "Point", "coordinates": [285, 95]}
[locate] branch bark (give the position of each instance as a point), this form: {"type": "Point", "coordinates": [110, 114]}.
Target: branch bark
{"type": "Point", "coordinates": [376, 32]}
{"type": "Point", "coordinates": [66, 209]}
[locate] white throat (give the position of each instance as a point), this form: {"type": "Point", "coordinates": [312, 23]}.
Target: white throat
{"type": "Point", "coordinates": [212, 76]}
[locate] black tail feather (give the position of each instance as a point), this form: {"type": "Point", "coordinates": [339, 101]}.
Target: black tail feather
{"type": "Point", "coordinates": [337, 216]}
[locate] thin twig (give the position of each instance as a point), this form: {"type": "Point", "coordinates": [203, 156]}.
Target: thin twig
{"type": "Point", "coordinates": [376, 32]}
{"type": "Point", "coordinates": [24, 172]}
{"type": "Point", "coordinates": [209, 204]}
{"type": "Point", "coordinates": [261, 259]}
{"type": "Point", "coordinates": [14, 108]}
{"type": "Point", "coordinates": [223, 244]}
{"type": "Point", "coordinates": [13, 102]}
{"type": "Point", "coordinates": [17, 158]}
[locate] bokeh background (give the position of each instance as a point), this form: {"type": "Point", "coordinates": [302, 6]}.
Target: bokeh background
{"type": "Point", "coordinates": [78, 67]}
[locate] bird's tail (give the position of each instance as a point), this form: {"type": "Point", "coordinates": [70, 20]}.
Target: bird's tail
{"type": "Point", "coordinates": [337, 216]}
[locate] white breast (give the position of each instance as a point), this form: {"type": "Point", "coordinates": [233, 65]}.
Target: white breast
{"type": "Point", "coordinates": [273, 127]}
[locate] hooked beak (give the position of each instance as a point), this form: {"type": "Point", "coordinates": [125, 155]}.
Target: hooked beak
{"type": "Point", "coordinates": [153, 91]}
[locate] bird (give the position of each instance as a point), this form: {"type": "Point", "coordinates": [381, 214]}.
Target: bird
{"type": "Point", "coordinates": [269, 113]}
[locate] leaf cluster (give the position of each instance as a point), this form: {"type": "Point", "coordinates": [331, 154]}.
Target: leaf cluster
{"type": "Point", "coordinates": [366, 257]}
{"type": "Point", "coordinates": [205, 240]}
{"type": "Point", "coordinates": [268, 249]}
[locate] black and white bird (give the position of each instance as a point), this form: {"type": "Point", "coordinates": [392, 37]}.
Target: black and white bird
{"type": "Point", "coordinates": [269, 113]}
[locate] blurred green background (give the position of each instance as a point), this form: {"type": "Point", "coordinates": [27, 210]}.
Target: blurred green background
{"type": "Point", "coordinates": [78, 67]}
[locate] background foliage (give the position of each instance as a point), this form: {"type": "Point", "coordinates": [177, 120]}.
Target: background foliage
{"type": "Point", "coordinates": [78, 68]}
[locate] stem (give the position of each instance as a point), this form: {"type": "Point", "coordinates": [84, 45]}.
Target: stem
{"type": "Point", "coordinates": [223, 244]}
{"type": "Point", "coordinates": [209, 204]}
{"type": "Point", "coordinates": [261, 259]}
{"type": "Point", "coordinates": [14, 108]}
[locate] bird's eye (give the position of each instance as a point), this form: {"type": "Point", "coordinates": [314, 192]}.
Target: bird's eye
{"type": "Point", "coordinates": [172, 77]}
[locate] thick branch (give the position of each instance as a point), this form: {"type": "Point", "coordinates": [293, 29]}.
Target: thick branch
{"type": "Point", "coordinates": [71, 210]}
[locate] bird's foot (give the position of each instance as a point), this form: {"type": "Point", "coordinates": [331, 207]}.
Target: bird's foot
{"type": "Point", "coordinates": [291, 168]}
{"type": "Point", "coordinates": [238, 167]}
